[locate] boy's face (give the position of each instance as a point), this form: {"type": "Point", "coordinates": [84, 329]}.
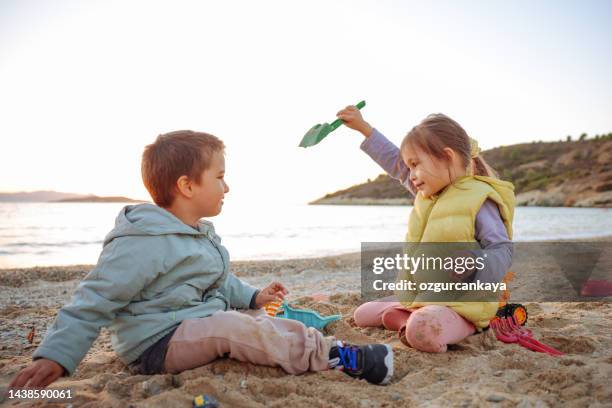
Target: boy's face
{"type": "Point", "coordinates": [208, 195]}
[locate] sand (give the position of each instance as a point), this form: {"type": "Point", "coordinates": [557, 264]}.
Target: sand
{"type": "Point", "coordinates": [480, 371]}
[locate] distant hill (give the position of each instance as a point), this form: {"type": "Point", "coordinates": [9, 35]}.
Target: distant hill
{"type": "Point", "coordinates": [96, 199]}
{"type": "Point", "coordinates": [58, 197]}
{"type": "Point", "coordinates": [37, 196]}
{"type": "Point", "coordinates": [569, 173]}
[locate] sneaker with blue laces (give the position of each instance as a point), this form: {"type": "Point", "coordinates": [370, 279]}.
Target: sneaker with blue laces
{"type": "Point", "coordinates": [372, 362]}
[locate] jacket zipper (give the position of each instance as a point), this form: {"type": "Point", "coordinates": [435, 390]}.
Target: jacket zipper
{"type": "Point", "coordinates": [217, 248]}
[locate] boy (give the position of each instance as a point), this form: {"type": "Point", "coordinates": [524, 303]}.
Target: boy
{"type": "Point", "coordinates": [163, 287]}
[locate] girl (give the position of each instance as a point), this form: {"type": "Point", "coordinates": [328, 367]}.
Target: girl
{"type": "Point", "coordinates": [458, 198]}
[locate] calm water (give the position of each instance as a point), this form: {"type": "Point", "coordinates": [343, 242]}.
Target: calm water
{"type": "Point", "coordinates": [71, 233]}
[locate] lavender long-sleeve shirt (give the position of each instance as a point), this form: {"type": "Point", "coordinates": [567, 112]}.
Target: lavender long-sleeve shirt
{"type": "Point", "coordinates": [490, 231]}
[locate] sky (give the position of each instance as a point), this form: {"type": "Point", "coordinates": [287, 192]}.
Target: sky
{"type": "Point", "coordinates": [85, 85]}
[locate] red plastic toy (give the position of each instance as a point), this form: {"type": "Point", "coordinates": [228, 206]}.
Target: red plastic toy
{"type": "Point", "coordinates": [509, 331]}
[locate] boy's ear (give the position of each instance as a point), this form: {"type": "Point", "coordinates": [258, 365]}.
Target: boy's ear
{"type": "Point", "coordinates": [185, 186]}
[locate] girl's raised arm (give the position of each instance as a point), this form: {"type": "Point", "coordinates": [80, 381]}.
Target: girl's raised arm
{"type": "Point", "coordinates": [378, 147]}
{"type": "Point", "coordinates": [387, 155]}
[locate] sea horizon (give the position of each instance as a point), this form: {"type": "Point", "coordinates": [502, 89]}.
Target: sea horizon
{"type": "Point", "coordinates": [56, 234]}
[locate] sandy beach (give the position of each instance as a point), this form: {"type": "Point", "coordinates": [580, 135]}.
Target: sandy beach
{"type": "Point", "coordinates": [480, 371]}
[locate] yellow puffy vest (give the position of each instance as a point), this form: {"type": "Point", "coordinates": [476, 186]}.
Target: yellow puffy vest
{"type": "Point", "coordinates": [450, 216]}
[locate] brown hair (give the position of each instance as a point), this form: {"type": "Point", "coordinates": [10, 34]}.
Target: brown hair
{"type": "Point", "coordinates": [172, 155]}
{"type": "Point", "coordinates": [436, 132]}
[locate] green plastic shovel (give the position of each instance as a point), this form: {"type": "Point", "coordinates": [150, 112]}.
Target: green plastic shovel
{"type": "Point", "coordinates": [319, 132]}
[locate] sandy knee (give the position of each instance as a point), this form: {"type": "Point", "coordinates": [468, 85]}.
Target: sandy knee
{"type": "Point", "coordinates": [424, 331]}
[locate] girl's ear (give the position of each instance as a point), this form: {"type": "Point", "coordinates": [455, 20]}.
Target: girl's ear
{"type": "Point", "coordinates": [449, 154]}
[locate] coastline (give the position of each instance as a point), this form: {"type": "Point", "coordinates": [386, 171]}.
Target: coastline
{"type": "Point", "coordinates": [361, 201]}
{"type": "Point", "coordinates": [475, 372]}
{"type": "Point", "coordinates": [9, 276]}
{"type": "Point", "coordinates": [528, 199]}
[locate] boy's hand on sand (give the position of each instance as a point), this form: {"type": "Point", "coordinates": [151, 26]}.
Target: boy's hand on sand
{"type": "Point", "coordinates": [270, 293]}
{"type": "Point", "coordinates": [351, 116]}
{"type": "Point", "coordinates": [40, 373]}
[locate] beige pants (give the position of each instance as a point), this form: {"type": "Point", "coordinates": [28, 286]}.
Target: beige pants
{"type": "Point", "coordinates": [249, 336]}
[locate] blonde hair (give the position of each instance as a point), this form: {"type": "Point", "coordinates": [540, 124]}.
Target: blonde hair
{"type": "Point", "coordinates": [436, 132]}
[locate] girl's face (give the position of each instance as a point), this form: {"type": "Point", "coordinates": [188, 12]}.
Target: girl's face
{"type": "Point", "coordinates": [428, 173]}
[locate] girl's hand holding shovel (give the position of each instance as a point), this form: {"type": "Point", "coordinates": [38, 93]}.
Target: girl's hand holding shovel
{"type": "Point", "coordinates": [351, 116]}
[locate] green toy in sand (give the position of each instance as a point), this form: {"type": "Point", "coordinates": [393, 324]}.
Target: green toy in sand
{"type": "Point", "coordinates": [310, 318]}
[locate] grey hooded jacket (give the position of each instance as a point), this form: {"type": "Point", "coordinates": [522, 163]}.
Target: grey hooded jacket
{"type": "Point", "coordinates": [154, 272]}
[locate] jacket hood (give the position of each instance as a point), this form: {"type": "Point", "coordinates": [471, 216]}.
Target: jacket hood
{"type": "Point", "coordinates": [501, 186]}
{"type": "Point", "coordinates": [505, 191]}
{"type": "Point", "coordinates": [150, 219]}
{"type": "Point", "coordinates": [504, 188]}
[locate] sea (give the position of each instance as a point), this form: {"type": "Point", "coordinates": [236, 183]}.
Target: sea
{"type": "Point", "coordinates": [47, 234]}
